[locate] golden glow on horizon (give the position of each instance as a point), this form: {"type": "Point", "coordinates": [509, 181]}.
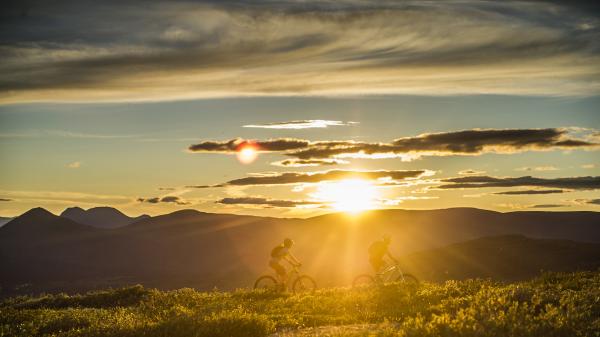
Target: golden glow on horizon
{"type": "Point", "coordinates": [247, 153]}
{"type": "Point", "coordinates": [352, 196]}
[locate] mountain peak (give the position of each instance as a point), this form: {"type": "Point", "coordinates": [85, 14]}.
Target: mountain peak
{"type": "Point", "coordinates": [102, 216]}
{"type": "Point", "coordinates": [37, 212]}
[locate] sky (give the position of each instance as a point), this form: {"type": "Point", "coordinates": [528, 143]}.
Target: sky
{"type": "Point", "coordinates": [299, 108]}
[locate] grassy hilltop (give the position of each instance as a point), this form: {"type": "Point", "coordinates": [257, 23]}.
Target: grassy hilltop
{"type": "Point", "coordinates": [550, 305]}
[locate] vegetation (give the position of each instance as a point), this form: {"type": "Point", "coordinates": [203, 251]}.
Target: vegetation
{"type": "Point", "coordinates": [550, 305]}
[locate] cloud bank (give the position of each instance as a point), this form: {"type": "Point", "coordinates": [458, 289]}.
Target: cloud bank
{"type": "Point", "coordinates": [465, 142]}
{"type": "Point", "coordinates": [191, 49]}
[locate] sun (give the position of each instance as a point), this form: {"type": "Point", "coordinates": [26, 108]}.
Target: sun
{"type": "Point", "coordinates": [352, 196]}
{"type": "Point", "coordinates": [247, 153]}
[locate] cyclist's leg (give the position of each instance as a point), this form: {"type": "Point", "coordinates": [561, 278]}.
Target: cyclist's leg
{"type": "Point", "coordinates": [377, 263]}
{"type": "Point", "coordinates": [280, 271]}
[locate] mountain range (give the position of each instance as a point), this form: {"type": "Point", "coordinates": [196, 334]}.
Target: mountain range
{"type": "Point", "coordinates": [40, 251]}
{"type": "Point", "coordinates": [101, 217]}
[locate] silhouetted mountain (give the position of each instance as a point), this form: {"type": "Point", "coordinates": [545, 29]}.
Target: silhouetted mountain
{"type": "Point", "coordinates": [511, 257]}
{"type": "Point", "coordinates": [101, 217]}
{"type": "Point", "coordinates": [4, 220]}
{"type": "Point", "coordinates": [204, 250]}
{"type": "Point", "coordinates": [40, 224]}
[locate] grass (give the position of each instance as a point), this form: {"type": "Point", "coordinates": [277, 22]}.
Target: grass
{"type": "Point", "coordinates": [551, 305]}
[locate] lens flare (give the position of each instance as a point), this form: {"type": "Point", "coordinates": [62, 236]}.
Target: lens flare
{"type": "Point", "coordinates": [247, 153]}
{"type": "Point", "coordinates": [352, 196]}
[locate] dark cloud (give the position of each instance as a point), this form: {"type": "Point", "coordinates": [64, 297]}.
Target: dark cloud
{"type": "Point", "coordinates": [5, 199]}
{"type": "Point", "coordinates": [166, 199]}
{"type": "Point", "coordinates": [234, 145]}
{"type": "Point", "coordinates": [574, 183]}
{"type": "Point", "coordinates": [268, 202]}
{"type": "Point", "coordinates": [219, 48]}
{"type": "Point", "coordinates": [466, 142]}
{"type": "Point", "coordinates": [316, 177]}
{"type": "Point", "coordinates": [524, 192]}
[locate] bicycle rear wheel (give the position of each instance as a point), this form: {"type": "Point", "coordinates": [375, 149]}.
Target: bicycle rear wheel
{"type": "Point", "coordinates": [267, 282]}
{"type": "Point", "coordinates": [304, 284]}
{"type": "Point", "coordinates": [408, 279]}
{"type": "Point", "coordinates": [363, 280]}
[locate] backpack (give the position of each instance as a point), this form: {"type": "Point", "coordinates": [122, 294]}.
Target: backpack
{"type": "Point", "coordinates": [377, 249]}
{"type": "Point", "coordinates": [276, 252]}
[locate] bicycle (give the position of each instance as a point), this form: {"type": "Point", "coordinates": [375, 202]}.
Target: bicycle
{"type": "Point", "coordinates": [301, 283]}
{"type": "Point", "coordinates": [390, 273]}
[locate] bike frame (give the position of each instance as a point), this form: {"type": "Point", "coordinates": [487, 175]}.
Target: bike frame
{"type": "Point", "coordinates": [386, 273]}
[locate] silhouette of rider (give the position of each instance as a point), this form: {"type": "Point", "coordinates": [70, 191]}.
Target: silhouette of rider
{"type": "Point", "coordinates": [378, 250]}
{"type": "Point", "coordinates": [282, 252]}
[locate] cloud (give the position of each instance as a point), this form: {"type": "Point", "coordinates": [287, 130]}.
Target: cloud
{"type": "Point", "coordinates": [587, 201]}
{"type": "Point", "coordinates": [166, 199]}
{"type": "Point", "coordinates": [74, 165]}
{"type": "Point", "coordinates": [268, 202]}
{"type": "Point", "coordinates": [525, 192]}
{"type": "Point", "coordinates": [233, 145]}
{"type": "Point", "coordinates": [332, 175]}
{"type": "Point", "coordinates": [465, 142]}
{"type": "Point", "coordinates": [189, 49]}
{"type": "Point", "coordinates": [308, 162]}
{"type": "Point", "coordinates": [548, 206]}
{"type": "Point", "coordinates": [588, 166]}
{"type": "Point", "coordinates": [470, 172]}
{"type": "Point", "coordinates": [301, 124]}
{"type": "Point", "coordinates": [537, 168]}
{"type": "Point", "coordinates": [5, 199]}
{"type": "Point", "coordinates": [574, 183]}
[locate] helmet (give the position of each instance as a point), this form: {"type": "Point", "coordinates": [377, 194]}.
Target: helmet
{"type": "Point", "coordinates": [386, 238]}
{"type": "Point", "coordinates": [288, 242]}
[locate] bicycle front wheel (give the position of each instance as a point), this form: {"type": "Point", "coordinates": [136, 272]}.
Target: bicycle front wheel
{"type": "Point", "coordinates": [267, 282]}
{"type": "Point", "coordinates": [363, 280]}
{"type": "Point", "coordinates": [408, 279]}
{"type": "Point", "coordinates": [304, 284]}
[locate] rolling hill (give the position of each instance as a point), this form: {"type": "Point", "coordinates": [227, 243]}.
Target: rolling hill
{"type": "Point", "coordinates": [203, 250]}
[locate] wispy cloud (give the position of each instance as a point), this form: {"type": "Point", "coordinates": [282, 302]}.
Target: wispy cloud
{"type": "Point", "coordinates": [537, 168]}
{"type": "Point", "coordinates": [574, 183]}
{"type": "Point", "coordinates": [74, 165]}
{"type": "Point", "coordinates": [470, 172]}
{"type": "Point", "coordinates": [220, 48]}
{"type": "Point", "coordinates": [309, 162]}
{"type": "Point", "coordinates": [587, 201]}
{"type": "Point", "coordinates": [301, 124]}
{"type": "Point", "coordinates": [291, 178]}
{"type": "Point", "coordinates": [62, 134]}
{"type": "Point", "coordinates": [265, 202]}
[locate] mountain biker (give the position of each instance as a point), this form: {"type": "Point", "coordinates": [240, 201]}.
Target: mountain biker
{"type": "Point", "coordinates": [378, 250]}
{"type": "Point", "coordinates": [282, 252]}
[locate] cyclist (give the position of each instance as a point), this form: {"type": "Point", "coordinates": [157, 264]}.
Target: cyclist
{"type": "Point", "coordinates": [282, 252]}
{"type": "Point", "coordinates": [378, 250]}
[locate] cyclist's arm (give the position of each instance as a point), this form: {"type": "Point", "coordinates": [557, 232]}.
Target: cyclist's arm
{"type": "Point", "coordinates": [389, 254]}
{"type": "Point", "coordinates": [292, 259]}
